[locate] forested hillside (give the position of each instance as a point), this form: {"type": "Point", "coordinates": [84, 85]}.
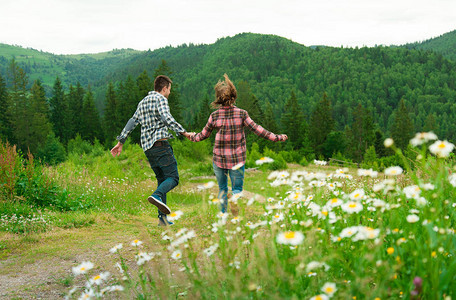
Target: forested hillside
{"type": "Point", "coordinates": [377, 78]}
{"type": "Point", "coordinates": [444, 44]}
{"type": "Point", "coordinates": [328, 100]}
{"type": "Point", "coordinates": [83, 68]}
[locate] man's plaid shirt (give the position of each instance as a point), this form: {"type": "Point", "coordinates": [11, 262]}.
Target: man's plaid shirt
{"type": "Point", "coordinates": [155, 119]}
{"type": "Point", "coordinates": [230, 148]}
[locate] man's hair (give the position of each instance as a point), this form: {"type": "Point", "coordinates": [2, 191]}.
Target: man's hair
{"type": "Point", "coordinates": [225, 93]}
{"type": "Point", "coordinates": [160, 82]}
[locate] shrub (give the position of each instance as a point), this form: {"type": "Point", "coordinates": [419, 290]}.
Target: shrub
{"type": "Point", "coordinates": [53, 152]}
{"type": "Point", "coordinates": [25, 179]}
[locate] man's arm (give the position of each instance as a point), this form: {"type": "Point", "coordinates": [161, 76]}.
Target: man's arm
{"type": "Point", "coordinates": [131, 124]}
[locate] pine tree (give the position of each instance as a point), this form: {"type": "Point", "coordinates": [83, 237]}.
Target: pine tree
{"type": "Point", "coordinates": [430, 124]}
{"type": "Point", "coordinates": [111, 121]}
{"type": "Point", "coordinates": [203, 114]}
{"type": "Point", "coordinates": [75, 102]}
{"type": "Point", "coordinates": [321, 124]}
{"type": "Point", "coordinates": [18, 106]}
{"type": "Point", "coordinates": [175, 106]}
{"type": "Point", "coordinates": [293, 122]}
{"type": "Point", "coordinates": [144, 84]}
{"type": "Point", "coordinates": [248, 101]}
{"type": "Point", "coordinates": [5, 128]}
{"type": "Point", "coordinates": [361, 134]}
{"type": "Point", "coordinates": [402, 129]}
{"type": "Point", "coordinates": [91, 129]}
{"type": "Point", "coordinates": [128, 100]}
{"type": "Point", "coordinates": [39, 124]}
{"type": "Point", "coordinates": [269, 119]}
{"type": "Point", "coordinates": [59, 112]}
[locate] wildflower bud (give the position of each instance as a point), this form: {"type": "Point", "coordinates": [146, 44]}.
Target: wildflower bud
{"type": "Point", "coordinates": [388, 142]}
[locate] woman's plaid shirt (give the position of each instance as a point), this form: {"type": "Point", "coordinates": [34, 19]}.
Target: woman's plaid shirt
{"type": "Point", "coordinates": [230, 148]}
{"type": "Point", "coordinates": [155, 118]}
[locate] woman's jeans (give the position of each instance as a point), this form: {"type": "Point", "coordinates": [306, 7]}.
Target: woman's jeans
{"type": "Point", "coordinates": [162, 161]}
{"type": "Point", "coordinates": [237, 183]}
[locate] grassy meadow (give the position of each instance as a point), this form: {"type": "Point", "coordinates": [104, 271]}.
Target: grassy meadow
{"type": "Point", "coordinates": [300, 232]}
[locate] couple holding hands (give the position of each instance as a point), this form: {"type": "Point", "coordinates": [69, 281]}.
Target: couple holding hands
{"type": "Point", "coordinates": [229, 153]}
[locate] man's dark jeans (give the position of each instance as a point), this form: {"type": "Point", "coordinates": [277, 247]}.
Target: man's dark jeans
{"type": "Point", "coordinates": [162, 161]}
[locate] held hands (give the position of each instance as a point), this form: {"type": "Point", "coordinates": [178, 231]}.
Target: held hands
{"type": "Point", "coordinates": [117, 149]}
{"type": "Point", "coordinates": [189, 135]}
{"type": "Point", "coordinates": [283, 137]}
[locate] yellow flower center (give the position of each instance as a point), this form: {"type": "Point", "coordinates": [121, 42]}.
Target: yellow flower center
{"type": "Point", "coordinates": [357, 195]}
{"type": "Point", "coordinates": [173, 214]}
{"type": "Point", "coordinates": [318, 297]}
{"type": "Point", "coordinates": [325, 213]}
{"type": "Point", "coordinates": [390, 250]}
{"type": "Point", "coordinates": [329, 290]}
{"type": "Point", "coordinates": [135, 241]}
{"type": "Point", "coordinates": [290, 235]}
{"type": "Point", "coordinates": [83, 269]}
{"type": "Point", "coordinates": [441, 145]}
{"type": "Point", "coordinates": [96, 277]}
{"type": "Point", "coordinates": [352, 205]}
{"type": "Point", "coordinates": [334, 200]}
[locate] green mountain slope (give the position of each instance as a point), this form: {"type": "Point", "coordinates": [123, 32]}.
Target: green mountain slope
{"type": "Point", "coordinates": [273, 66]}
{"type": "Point", "coordinates": [378, 78]}
{"type": "Point", "coordinates": [85, 68]}
{"type": "Point", "coordinates": [444, 44]}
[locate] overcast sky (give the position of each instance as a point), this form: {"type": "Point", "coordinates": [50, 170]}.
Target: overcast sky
{"type": "Point", "coordinates": [91, 26]}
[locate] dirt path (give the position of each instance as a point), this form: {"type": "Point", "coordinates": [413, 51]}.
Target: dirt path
{"type": "Point", "coordinates": [39, 266]}
{"type": "Point", "coordinates": [41, 269]}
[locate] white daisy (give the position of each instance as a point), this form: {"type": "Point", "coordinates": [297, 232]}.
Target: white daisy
{"type": "Point", "coordinates": [422, 137]}
{"type": "Point", "coordinates": [393, 171]}
{"type": "Point", "coordinates": [264, 160]}
{"type": "Point", "coordinates": [206, 186]}
{"type": "Point", "coordinates": [98, 279]}
{"type": "Point", "coordinates": [82, 268]}
{"type": "Point", "coordinates": [136, 243]}
{"type": "Point", "coordinates": [177, 255]}
{"type": "Point", "coordinates": [329, 288]}
{"type": "Point", "coordinates": [412, 218]}
{"type": "Point", "coordinates": [290, 238]}
{"type": "Point", "coordinates": [352, 207]}
{"type": "Point", "coordinates": [175, 215]}
{"type": "Point", "coordinates": [115, 248]}
{"type": "Point", "coordinates": [441, 148]}
{"type": "Point", "coordinates": [357, 195]}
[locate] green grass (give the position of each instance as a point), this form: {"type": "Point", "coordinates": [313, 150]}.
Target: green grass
{"type": "Point", "coordinates": [251, 262]}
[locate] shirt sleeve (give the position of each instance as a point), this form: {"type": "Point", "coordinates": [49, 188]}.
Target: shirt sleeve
{"type": "Point", "coordinates": [167, 118]}
{"type": "Point", "coordinates": [131, 124]}
{"type": "Point", "coordinates": [260, 131]}
{"type": "Point", "coordinates": [207, 130]}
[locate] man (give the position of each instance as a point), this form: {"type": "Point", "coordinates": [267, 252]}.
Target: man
{"type": "Point", "coordinates": [155, 118]}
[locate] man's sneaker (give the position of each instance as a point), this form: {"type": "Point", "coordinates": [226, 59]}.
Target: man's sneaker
{"type": "Point", "coordinates": [160, 205]}
{"type": "Point", "coordinates": [163, 221]}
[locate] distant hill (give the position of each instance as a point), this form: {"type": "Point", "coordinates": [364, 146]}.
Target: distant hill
{"type": "Point", "coordinates": [85, 68]}
{"type": "Point", "coordinates": [273, 67]}
{"type": "Point", "coordinates": [444, 44]}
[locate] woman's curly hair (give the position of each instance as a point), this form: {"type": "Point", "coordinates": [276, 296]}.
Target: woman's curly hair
{"type": "Point", "coordinates": [225, 93]}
